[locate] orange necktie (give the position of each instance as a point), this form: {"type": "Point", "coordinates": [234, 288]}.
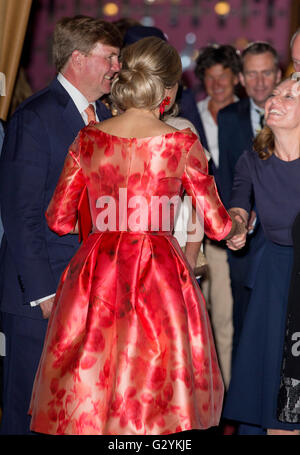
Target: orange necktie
{"type": "Point", "coordinates": [90, 111]}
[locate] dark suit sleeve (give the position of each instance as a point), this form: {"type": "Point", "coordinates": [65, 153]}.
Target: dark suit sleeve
{"type": "Point", "coordinates": [226, 170]}
{"type": "Point", "coordinates": [23, 178]}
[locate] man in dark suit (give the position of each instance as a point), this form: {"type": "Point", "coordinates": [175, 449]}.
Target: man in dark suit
{"type": "Point", "coordinates": [238, 124]}
{"type": "Point", "coordinates": [86, 53]}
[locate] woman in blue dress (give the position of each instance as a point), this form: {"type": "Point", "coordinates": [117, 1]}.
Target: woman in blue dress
{"type": "Point", "coordinates": [270, 173]}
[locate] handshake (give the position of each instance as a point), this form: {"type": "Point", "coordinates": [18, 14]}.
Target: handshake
{"type": "Point", "coordinates": [241, 225]}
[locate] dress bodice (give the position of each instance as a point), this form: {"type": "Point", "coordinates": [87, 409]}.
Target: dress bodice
{"type": "Point", "coordinates": [136, 184]}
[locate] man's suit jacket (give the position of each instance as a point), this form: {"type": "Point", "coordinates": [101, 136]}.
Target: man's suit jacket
{"type": "Point", "coordinates": [37, 139]}
{"type": "Point", "coordinates": [188, 109]}
{"type": "Point", "coordinates": [235, 136]}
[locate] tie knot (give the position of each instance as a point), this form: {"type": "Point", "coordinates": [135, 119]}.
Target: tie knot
{"type": "Point", "coordinates": [261, 118]}
{"type": "Point", "coordinates": [90, 112]}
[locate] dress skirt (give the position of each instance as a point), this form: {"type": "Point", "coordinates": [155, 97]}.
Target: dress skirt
{"type": "Point", "coordinates": [129, 348]}
{"type": "Point", "coordinates": [253, 391]}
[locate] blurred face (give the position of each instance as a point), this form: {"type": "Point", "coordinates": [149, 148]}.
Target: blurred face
{"type": "Point", "coordinates": [282, 109]}
{"type": "Point", "coordinates": [219, 83]}
{"type": "Point", "coordinates": [259, 77]}
{"type": "Point", "coordinates": [296, 53]}
{"type": "Point", "coordinates": [97, 70]}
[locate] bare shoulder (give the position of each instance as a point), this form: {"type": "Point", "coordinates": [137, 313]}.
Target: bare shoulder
{"type": "Point", "coordinates": [134, 126]}
{"type": "Point", "coordinates": [106, 125]}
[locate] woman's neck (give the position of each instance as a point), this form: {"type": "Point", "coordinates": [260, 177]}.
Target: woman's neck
{"type": "Point", "coordinates": [287, 145]}
{"type": "Point", "coordinates": [143, 112]}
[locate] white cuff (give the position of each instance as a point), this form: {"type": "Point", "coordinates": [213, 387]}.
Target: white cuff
{"type": "Point", "coordinates": [37, 302]}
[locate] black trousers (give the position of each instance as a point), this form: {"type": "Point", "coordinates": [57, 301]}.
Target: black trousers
{"type": "Point", "coordinates": [24, 339]}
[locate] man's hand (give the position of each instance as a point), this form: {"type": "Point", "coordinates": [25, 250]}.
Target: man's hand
{"type": "Point", "coordinates": [46, 307]}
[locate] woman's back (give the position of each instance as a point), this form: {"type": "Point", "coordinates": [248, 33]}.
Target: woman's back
{"type": "Point", "coordinates": [135, 123]}
{"type": "Point", "coordinates": [139, 170]}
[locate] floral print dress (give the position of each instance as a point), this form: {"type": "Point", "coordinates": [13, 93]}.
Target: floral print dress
{"type": "Point", "coordinates": [129, 347]}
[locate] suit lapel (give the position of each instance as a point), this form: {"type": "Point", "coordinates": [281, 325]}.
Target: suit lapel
{"type": "Point", "coordinates": [245, 120]}
{"type": "Point", "coordinates": [102, 111]}
{"type": "Point", "coordinates": [72, 119]}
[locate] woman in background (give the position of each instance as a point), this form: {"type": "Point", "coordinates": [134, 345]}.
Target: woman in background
{"type": "Point", "coordinates": [270, 172]}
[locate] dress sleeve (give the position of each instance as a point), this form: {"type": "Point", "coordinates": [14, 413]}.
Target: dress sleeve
{"type": "Point", "coordinates": [242, 189]}
{"type": "Point", "coordinates": [201, 187]}
{"type": "Point", "coordinates": [62, 212]}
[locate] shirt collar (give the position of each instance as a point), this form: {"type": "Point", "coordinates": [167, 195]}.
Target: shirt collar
{"type": "Point", "coordinates": [256, 108]}
{"type": "Point", "coordinates": [79, 99]}
{"type": "Point", "coordinates": [205, 101]}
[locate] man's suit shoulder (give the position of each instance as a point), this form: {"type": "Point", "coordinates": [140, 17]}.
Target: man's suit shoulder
{"type": "Point", "coordinates": [42, 100]}
{"type": "Point", "coordinates": [52, 98]}
{"type": "Point", "coordinates": [236, 108]}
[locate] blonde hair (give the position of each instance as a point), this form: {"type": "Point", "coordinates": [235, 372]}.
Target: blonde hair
{"type": "Point", "coordinates": [149, 66]}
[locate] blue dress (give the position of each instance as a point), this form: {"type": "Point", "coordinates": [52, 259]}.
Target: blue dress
{"type": "Point", "coordinates": [254, 387]}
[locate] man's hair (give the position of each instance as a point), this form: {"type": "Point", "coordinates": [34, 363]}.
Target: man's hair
{"type": "Point", "coordinates": [224, 55]}
{"type": "Point", "coordinates": [259, 47]}
{"type": "Point", "coordinates": [81, 33]}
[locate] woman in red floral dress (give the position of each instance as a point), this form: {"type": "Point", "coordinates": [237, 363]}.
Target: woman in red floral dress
{"type": "Point", "coordinates": [129, 348]}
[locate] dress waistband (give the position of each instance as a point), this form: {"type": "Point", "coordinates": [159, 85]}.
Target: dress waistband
{"type": "Point", "coordinates": [160, 233]}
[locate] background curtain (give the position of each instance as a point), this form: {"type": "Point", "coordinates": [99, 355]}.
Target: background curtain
{"type": "Point", "coordinates": [13, 23]}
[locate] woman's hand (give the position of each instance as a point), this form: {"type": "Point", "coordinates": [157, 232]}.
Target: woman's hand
{"type": "Point", "coordinates": [75, 230]}
{"type": "Point", "coordinates": [238, 234]}
{"type": "Point", "coordinates": [236, 242]}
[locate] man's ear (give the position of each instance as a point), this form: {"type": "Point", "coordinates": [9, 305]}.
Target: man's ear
{"type": "Point", "coordinates": [77, 59]}
{"type": "Point", "coordinates": [236, 79]}
{"type": "Point", "coordinates": [242, 79]}
{"type": "Point", "coordinates": [278, 76]}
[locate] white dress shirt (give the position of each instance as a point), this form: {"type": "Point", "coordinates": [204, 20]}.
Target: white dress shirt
{"type": "Point", "coordinates": [81, 104]}
{"type": "Point", "coordinates": [255, 112]}
{"type": "Point", "coordinates": [79, 99]}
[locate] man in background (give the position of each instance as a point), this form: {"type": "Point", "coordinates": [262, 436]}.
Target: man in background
{"type": "Point", "coordinates": [295, 50]}
{"type": "Point", "coordinates": [218, 68]}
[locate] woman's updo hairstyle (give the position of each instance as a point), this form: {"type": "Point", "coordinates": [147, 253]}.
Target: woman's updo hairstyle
{"type": "Point", "coordinates": [149, 66]}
